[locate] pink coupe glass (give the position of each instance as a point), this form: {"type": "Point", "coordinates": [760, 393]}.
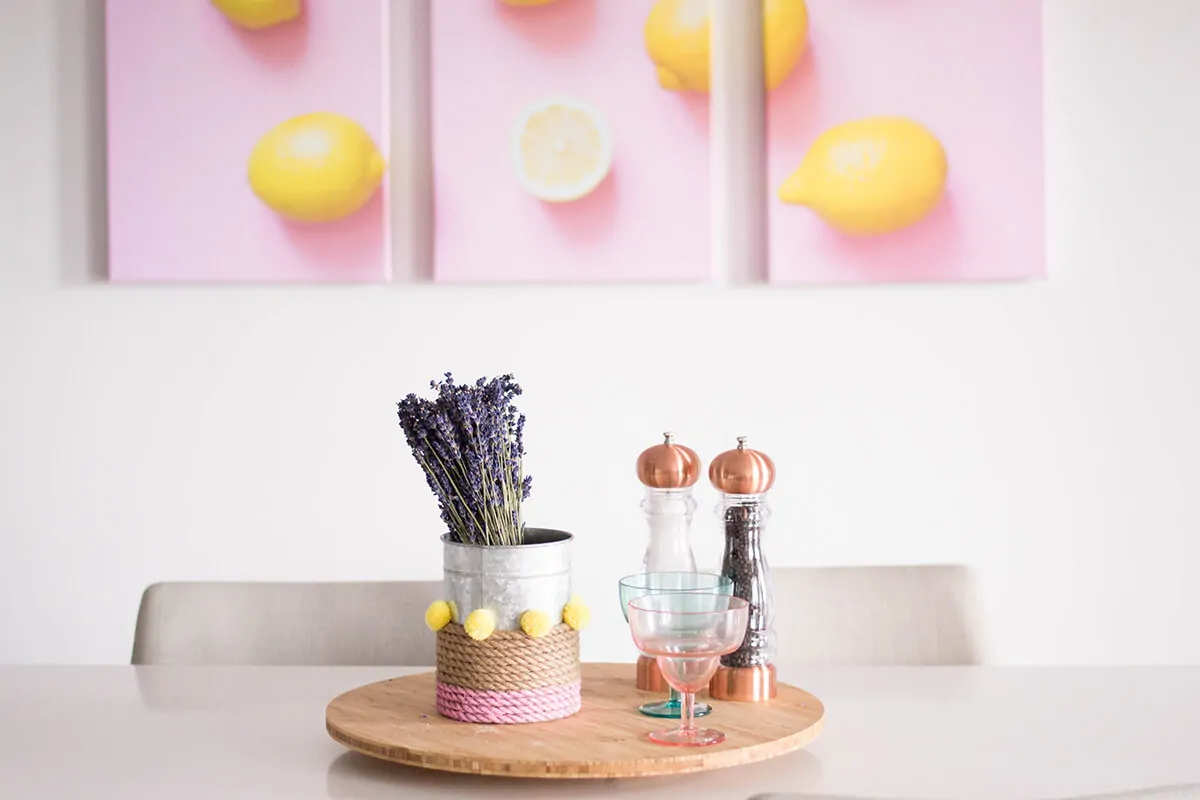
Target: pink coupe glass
{"type": "Point", "coordinates": [687, 633]}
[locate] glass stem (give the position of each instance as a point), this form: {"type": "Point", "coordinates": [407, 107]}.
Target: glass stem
{"type": "Point", "coordinates": [673, 698]}
{"type": "Point", "coordinates": [687, 715]}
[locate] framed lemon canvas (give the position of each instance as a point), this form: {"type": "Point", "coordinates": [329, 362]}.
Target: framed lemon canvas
{"type": "Point", "coordinates": [571, 141]}
{"type": "Point", "coordinates": [248, 141]}
{"type": "Point", "coordinates": [907, 144]}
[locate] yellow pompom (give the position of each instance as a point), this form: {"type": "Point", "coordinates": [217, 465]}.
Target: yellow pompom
{"type": "Point", "coordinates": [438, 615]}
{"type": "Point", "coordinates": [453, 611]}
{"type": "Point", "coordinates": [576, 614]}
{"type": "Point", "coordinates": [480, 623]}
{"type": "Point", "coordinates": [536, 623]}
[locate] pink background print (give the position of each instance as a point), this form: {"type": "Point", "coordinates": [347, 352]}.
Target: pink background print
{"type": "Point", "coordinates": [648, 220]}
{"type": "Point", "coordinates": [189, 95]}
{"type": "Point", "coordinates": [970, 71]}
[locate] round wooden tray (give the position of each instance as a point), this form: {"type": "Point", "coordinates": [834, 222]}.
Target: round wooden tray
{"type": "Point", "coordinates": [397, 720]}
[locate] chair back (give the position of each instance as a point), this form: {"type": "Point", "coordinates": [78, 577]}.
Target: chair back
{"type": "Point", "coordinates": [344, 624]}
{"type": "Point", "coordinates": [876, 616]}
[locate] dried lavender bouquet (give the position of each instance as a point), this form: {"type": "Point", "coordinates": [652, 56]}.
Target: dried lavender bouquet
{"type": "Point", "coordinates": [469, 442]}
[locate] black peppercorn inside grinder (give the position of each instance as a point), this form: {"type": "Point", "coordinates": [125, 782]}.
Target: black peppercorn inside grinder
{"type": "Point", "coordinates": [743, 476]}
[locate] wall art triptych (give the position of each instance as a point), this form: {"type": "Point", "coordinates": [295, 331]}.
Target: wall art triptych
{"type": "Point", "coordinates": [249, 141]}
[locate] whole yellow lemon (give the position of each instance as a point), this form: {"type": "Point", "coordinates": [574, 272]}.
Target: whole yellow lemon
{"type": "Point", "coordinates": [870, 176]}
{"type": "Point", "coordinates": [257, 14]}
{"type": "Point", "coordinates": [316, 168]}
{"type": "Point", "coordinates": [785, 37]}
{"type": "Point", "coordinates": [677, 40]}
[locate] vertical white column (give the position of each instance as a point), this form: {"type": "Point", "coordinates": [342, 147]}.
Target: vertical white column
{"type": "Point", "coordinates": [737, 159]}
{"type": "Point", "coordinates": [411, 168]}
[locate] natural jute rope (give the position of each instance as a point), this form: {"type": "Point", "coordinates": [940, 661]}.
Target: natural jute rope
{"type": "Point", "coordinates": [508, 661]}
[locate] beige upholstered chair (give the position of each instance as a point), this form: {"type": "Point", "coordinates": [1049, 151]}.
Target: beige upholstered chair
{"type": "Point", "coordinates": [875, 616]}
{"type": "Point", "coordinates": [286, 624]}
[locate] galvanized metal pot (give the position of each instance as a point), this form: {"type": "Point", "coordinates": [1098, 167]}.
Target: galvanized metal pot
{"type": "Point", "coordinates": [510, 579]}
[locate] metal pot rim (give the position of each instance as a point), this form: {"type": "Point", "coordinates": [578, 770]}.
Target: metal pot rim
{"type": "Point", "coordinates": [549, 537]}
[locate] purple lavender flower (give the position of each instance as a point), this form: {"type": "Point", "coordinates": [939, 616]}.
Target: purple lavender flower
{"type": "Point", "coordinates": [469, 442]}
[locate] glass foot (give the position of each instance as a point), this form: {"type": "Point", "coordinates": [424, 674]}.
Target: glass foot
{"type": "Point", "coordinates": [696, 737]}
{"type": "Point", "coordinates": [671, 709]}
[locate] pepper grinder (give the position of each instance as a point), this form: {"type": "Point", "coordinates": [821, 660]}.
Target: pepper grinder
{"type": "Point", "coordinates": [668, 471]}
{"type": "Point", "coordinates": [743, 477]}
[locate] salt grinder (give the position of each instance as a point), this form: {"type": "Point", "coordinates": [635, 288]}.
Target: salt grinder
{"type": "Point", "coordinates": [744, 476]}
{"type": "Point", "coordinates": [668, 471]}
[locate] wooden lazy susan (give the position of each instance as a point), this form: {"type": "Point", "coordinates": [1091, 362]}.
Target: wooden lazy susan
{"type": "Point", "coordinates": [397, 720]}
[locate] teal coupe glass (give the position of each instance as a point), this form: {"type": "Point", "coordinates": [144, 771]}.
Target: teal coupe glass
{"type": "Point", "coordinates": [654, 583]}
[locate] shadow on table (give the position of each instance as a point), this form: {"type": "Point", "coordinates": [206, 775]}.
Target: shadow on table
{"type": "Point", "coordinates": [353, 776]}
{"type": "Point", "coordinates": [1177, 792]}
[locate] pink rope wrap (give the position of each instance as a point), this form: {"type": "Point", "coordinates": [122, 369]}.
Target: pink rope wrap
{"type": "Point", "coordinates": [528, 705]}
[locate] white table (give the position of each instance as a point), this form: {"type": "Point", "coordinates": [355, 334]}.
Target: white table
{"type": "Point", "coordinates": [258, 732]}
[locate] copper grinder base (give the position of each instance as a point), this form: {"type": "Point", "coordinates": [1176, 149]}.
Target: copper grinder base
{"type": "Point", "coordinates": [649, 677]}
{"type": "Point", "coordinates": [745, 684]}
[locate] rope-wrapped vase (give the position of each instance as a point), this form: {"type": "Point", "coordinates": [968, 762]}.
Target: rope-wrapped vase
{"type": "Point", "coordinates": [509, 676]}
{"type": "Point", "coordinates": [508, 634]}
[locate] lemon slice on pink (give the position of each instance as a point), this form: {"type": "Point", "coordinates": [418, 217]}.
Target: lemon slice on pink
{"type": "Point", "coordinates": [562, 149]}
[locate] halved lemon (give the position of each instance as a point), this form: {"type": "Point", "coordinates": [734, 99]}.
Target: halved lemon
{"type": "Point", "coordinates": [562, 149]}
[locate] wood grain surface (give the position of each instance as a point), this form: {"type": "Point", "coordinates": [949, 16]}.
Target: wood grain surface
{"type": "Point", "coordinates": [397, 720]}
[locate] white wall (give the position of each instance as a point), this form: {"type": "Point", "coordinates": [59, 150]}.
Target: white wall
{"type": "Point", "coordinates": [1045, 433]}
